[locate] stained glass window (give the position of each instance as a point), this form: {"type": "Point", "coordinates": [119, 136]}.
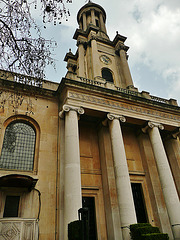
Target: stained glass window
{"type": "Point", "coordinates": [18, 147]}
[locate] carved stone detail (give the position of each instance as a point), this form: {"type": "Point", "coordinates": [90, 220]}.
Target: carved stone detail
{"type": "Point", "coordinates": [176, 133]}
{"type": "Point", "coordinates": [152, 125]}
{"type": "Point", "coordinates": [67, 108]}
{"type": "Point", "coordinates": [80, 42]}
{"type": "Point", "coordinates": [10, 231]}
{"type": "Point", "coordinates": [18, 229]}
{"type": "Point", "coordinates": [120, 47]}
{"type": "Point", "coordinates": [93, 37]}
{"type": "Point", "coordinates": [112, 116]}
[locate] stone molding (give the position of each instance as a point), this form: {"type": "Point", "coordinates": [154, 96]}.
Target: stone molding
{"type": "Point", "coordinates": [112, 116]}
{"type": "Point", "coordinates": [67, 108]}
{"type": "Point", "coordinates": [152, 125]}
{"type": "Point", "coordinates": [142, 111]}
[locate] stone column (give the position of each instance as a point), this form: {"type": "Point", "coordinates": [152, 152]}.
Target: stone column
{"type": "Point", "coordinates": [93, 17]}
{"type": "Point", "coordinates": [126, 72]}
{"type": "Point", "coordinates": [72, 171]}
{"type": "Point", "coordinates": [166, 179]}
{"type": "Point", "coordinates": [81, 58]}
{"type": "Point", "coordinates": [84, 22]}
{"type": "Point", "coordinates": [102, 24]}
{"type": "Point", "coordinates": [124, 192]}
{"type": "Point", "coordinates": [172, 147]}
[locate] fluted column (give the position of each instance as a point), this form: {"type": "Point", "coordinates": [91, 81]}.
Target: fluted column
{"type": "Point", "coordinates": [167, 182]}
{"type": "Point", "coordinates": [126, 72]}
{"type": "Point", "coordinates": [72, 171]}
{"type": "Point", "coordinates": [124, 192]}
{"type": "Point", "coordinates": [81, 58]}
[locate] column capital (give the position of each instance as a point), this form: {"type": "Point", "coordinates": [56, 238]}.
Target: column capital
{"type": "Point", "coordinates": [80, 41]}
{"type": "Point", "coordinates": [176, 133]}
{"type": "Point", "coordinates": [151, 125]}
{"type": "Point", "coordinates": [120, 47]}
{"type": "Point", "coordinates": [112, 116]}
{"type": "Point", "coordinates": [67, 108]}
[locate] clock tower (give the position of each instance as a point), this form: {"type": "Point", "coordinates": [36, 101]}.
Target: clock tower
{"type": "Point", "coordinates": [97, 57]}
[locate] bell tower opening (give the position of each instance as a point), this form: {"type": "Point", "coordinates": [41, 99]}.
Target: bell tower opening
{"type": "Point", "coordinates": [107, 75]}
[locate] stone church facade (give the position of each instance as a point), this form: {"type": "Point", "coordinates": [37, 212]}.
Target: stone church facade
{"type": "Point", "coordinates": [93, 140]}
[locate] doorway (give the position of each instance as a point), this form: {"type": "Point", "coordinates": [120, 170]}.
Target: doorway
{"type": "Point", "coordinates": [139, 203]}
{"type": "Point", "coordinates": [89, 202]}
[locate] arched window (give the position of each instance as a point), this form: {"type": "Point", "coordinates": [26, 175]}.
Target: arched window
{"type": "Point", "coordinates": [18, 147]}
{"type": "Point", "coordinates": [107, 74]}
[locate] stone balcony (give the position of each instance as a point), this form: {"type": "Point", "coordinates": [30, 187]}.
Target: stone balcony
{"type": "Point", "coordinates": [18, 229]}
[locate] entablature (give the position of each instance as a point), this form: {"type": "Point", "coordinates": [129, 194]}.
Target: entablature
{"type": "Point", "coordinates": [94, 95]}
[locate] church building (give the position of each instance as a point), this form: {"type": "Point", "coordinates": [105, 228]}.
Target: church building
{"type": "Point", "coordinates": [93, 140]}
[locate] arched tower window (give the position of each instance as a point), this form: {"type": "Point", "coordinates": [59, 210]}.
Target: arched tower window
{"type": "Point", "coordinates": [107, 74]}
{"type": "Point", "coordinates": [18, 147]}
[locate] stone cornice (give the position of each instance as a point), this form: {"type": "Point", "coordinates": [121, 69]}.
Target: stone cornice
{"type": "Point", "coordinates": [85, 34]}
{"type": "Point", "coordinates": [70, 55]}
{"type": "Point", "coordinates": [8, 85]}
{"type": "Point", "coordinates": [118, 38]}
{"type": "Point", "coordinates": [126, 94]}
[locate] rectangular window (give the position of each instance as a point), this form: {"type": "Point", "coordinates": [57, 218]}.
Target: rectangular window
{"type": "Point", "coordinates": [11, 206]}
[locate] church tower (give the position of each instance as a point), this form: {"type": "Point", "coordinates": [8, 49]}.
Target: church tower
{"type": "Point", "coordinates": [119, 129]}
{"type": "Point", "coordinates": [97, 57]}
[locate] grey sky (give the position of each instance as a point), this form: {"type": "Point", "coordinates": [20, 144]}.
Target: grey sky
{"type": "Point", "coordinates": [152, 29]}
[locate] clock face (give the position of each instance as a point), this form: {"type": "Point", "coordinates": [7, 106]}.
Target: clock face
{"type": "Point", "coordinates": [105, 59]}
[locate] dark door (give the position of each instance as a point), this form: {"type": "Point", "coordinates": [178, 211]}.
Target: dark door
{"type": "Point", "coordinates": [89, 202]}
{"type": "Point", "coordinates": [140, 208]}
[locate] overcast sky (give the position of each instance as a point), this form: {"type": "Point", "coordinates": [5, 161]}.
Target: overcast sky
{"type": "Point", "coordinates": [152, 28]}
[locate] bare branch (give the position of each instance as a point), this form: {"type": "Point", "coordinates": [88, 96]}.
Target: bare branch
{"type": "Point", "coordinates": [21, 48]}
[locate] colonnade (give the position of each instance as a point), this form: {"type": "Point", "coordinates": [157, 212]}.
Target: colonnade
{"type": "Point", "coordinates": [72, 181]}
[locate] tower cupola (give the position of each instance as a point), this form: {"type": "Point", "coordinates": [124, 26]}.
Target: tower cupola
{"type": "Point", "coordinates": [92, 14]}
{"type": "Point", "coordinates": [97, 57]}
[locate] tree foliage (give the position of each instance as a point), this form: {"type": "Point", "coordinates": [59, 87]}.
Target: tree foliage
{"type": "Point", "coordinates": [22, 48]}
